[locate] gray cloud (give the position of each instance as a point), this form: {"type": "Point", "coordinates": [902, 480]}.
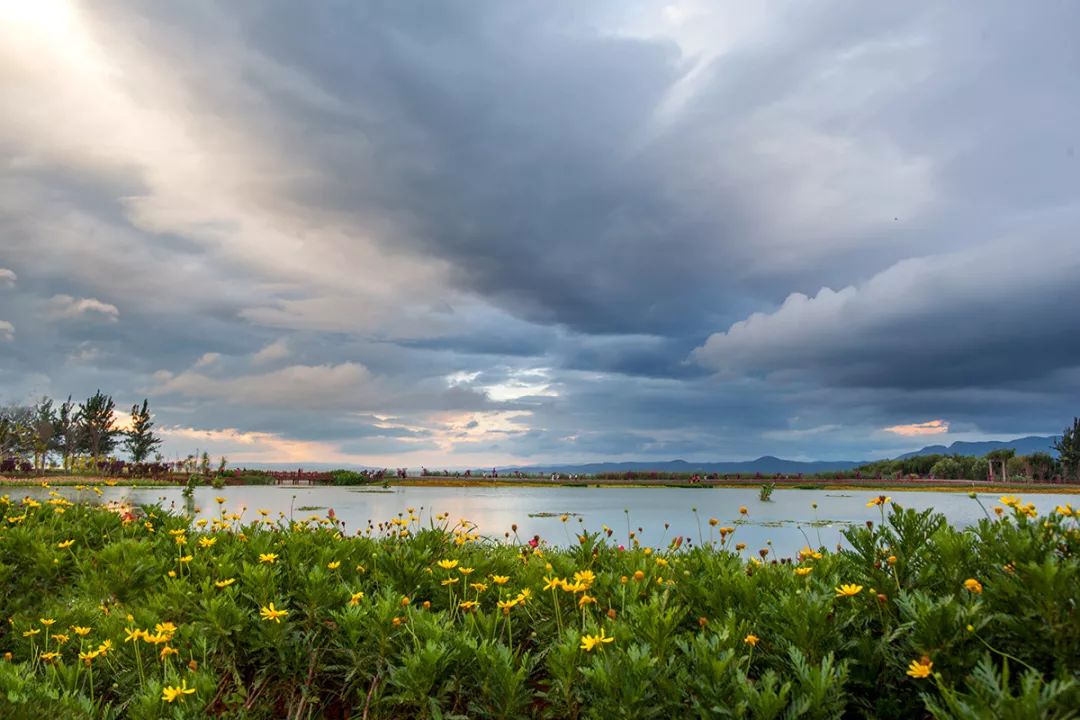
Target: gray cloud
{"type": "Point", "coordinates": [545, 231]}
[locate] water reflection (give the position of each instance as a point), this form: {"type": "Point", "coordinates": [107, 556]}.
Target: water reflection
{"type": "Point", "coordinates": [785, 524]}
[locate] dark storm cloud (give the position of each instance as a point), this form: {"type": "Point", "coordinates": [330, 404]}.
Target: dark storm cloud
{"type": "Point", "coordinates": [549, 225]}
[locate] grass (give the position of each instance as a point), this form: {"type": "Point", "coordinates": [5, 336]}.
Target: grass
{"type": "Point", "coordinates": [139, 613]}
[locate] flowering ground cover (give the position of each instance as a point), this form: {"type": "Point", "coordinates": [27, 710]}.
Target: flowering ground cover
{"type": "Point", "coordinates": [143, 613]}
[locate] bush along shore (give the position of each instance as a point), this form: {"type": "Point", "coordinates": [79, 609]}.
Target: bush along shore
{"type": "Point", "coordinates": [138, 612]}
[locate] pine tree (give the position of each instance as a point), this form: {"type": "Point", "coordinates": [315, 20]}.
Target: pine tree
{"type": "Point", "coordinates": [43, 429]}
{"type": "Point", "coordinates": [97, 425]}
{"type": "Point", "coordinates": [1068, 447]}
{"type": "Point", "coordinates": [141, 441]}
{"type": "Point", "coordinates": [67, 432]}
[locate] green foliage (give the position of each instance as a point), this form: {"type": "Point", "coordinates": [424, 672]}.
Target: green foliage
{"type": "Point", "coordinates": [1068, 447]}
{"type": "Point", "coordinates": [947, 468]}
{"type": "Point", "coordinates": [350, 477]}
{"type": "Point", "coordinates": [405, 620]}
{"type": "Point", "coordinates": [140, 440]}
{"type": "Point", "coordinates": [97, 425]}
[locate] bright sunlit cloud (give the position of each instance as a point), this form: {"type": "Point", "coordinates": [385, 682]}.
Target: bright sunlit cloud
{"type": "Point", "coordinates": [930, 427]}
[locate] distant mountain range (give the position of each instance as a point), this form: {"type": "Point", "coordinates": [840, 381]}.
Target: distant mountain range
{"type": "Point", "coordinates": [1022, 446]}
{"type": "Point", "coordinates": [766, 465]}
{"type": "Point", "coordinates": [769, 465]}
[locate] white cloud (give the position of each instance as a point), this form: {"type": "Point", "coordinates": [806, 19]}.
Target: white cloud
{"type": "Point", "coordinates": [207, 359]}
{"type": "Point", "coordinates": [7, 330]}
{"type": "Point", "coordinates": [7, 277]}
{"type": "Point", "coordinates": [66, 307]}
{"type": "Point", "coordinates": [276, 350]}
{"type": "Point", "coordinates": [347, 385]}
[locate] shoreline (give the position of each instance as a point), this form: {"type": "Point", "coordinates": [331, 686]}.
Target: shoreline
{"type": "Point", "coordinates": [953, 486]}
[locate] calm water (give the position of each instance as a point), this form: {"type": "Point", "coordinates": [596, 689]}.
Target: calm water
{"type": "Point", "coordinates": [788, 521]}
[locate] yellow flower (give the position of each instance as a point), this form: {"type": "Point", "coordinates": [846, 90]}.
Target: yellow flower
{"type": "Point", "coordinates": [334, 565]}
{"type": "Point", "coordinates": [80, 631]}
{"type": "Point", "coordinates": [207, 542]}
{"type": "Point", "coordinates": [973, 585]}
{"type": "Point", "coordinates": [1009, 501]}
{"type": "Point", "coordinates": [713, 522]}
{"type": "Point", "coordinates": [585, 577]}
{"type": "Point", "coordinates": [590, 642]}
{"type": "Point", "coordinates": [449, 581]}
{"type": "Point", "coordinates": [465, 570]}
{"type": "Point", "coordinates": [739, 547]}
{"type": "Point", "coordinates": [268, 558]}
{"type": "Point", "coordinates": [171, 573]}
{"type": "Point", "coordinates": [219, 500]}
{"type": "Point", "coordinates": [225, 583]}
{"type": "Point", "coordinates": [354, 598]}
{"type": "Point", "coordinates": [166, 651]}
{"type": "Point", "coordinates": [891, 559]}
{"type": "Point", "coordinates": [176, 692]}
{"type": "Point", "coordinates": [743, 510]}
{"type": "Point", "coordinates": [46, 621]}
{"type": "Point", "coordinates": [448, 564]}
{"type": "Point", "coordinates": [752, 640]}
{"type": "Point", "coordinates": [468, 605]}
{"type": "Point", "coordinates": [31, 633]}
{"type": "Point", "coordinates": [49, 656]}
{"type": "Point", "coordinates": [185, 559]}
{"type": "Point", "coordinates": [66, 544]}
{"type": "Point", "coordinates": [920, 668]}
{"type": "Point", "coordinates": [133, 634]}
{"type": "Point", "coordinates": [271, 613]}
{"type": "Point", "coordinates": [506, 605]}
{"type": "Point", "coordinates": [478, 587]}
{"type": "Point", "coordinates": [60, 638]}
{"type": "Point", "coordinates": [586, 599]}
{"type": "Point", "coordinates": [639, 575]}
{"type": "Point", "coordinates": [878, 501]}
{"type": "Point", "coordinates": [500, 579]}
{"type": "Point", "coordinates": [165, 627]}
{"type": "Point", "coordinates": [552, 583]}
{"type": "Point", "coordinates": [89, 655]}
{"type": "Point", "coordinates": [806, 552]}
{"type": "Point", "coordinates": [848, 590]}
{"type": "Point", "coordinates": [803, 571]}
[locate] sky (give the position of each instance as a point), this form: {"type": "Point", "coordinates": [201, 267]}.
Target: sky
{"type": "Point", "coordinates": [490, 233]}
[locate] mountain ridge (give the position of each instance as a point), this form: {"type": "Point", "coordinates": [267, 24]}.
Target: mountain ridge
{"type": "Point", "coordinates": [770, 464]}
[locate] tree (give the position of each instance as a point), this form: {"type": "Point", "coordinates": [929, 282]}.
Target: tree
{"type": "Point", "coordinates": [949, 468]}
{"type": "Point", "coordinates": [42, 432]}
{"type": "Point", "coordinates": [66, 432]}
{"type": "Point", "coordinates": [1068, 447]}
{"type": "Point", "coordinates": [140, 440]}
{"type": "Point", "coordinates": [1041, 466]}
{"type": "Point", "coordinates": [97, 425]}
{"type": "Point", "coordinates": [16, 422]}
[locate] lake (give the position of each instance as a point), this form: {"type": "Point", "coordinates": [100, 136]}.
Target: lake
{"type": "Point", "coordinates": [786, 523]}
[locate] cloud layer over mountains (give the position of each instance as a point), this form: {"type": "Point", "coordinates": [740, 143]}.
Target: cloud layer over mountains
{"type": "Point", "coordinates": [490, 232]}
